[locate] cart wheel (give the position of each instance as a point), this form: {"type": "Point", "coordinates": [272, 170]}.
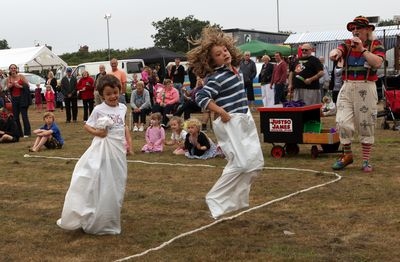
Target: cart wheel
{"type": "Point", "coordinates": [314, 152]}
{"type": "Point", "coordinates": [277, 151]}
{"type": "Point", "coordinates": [330, 148]}
{"type": "Point", "coordinates": [292, 149]}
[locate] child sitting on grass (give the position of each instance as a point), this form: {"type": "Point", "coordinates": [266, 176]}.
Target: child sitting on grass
{"type": "Point", "coordinates": [155, 135]}
{"type": "Point", "coordinates": [48, 135]}
{"type": "Point", "coordinates": [197, 143]}
{"type": "Point", "coordinates": [178, 135]}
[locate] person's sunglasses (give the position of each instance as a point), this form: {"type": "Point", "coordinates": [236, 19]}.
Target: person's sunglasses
{"type": "Point", "coordinates": [304, 50]}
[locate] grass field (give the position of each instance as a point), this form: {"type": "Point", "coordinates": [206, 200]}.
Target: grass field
{"type": "Point", "coordinates": [355, 219]}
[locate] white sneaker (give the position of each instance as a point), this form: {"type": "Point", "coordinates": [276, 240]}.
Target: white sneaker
{"type": "Point", "coordinates": [141, 129]}
{"type": "Point", "coordinates": [135, 129]}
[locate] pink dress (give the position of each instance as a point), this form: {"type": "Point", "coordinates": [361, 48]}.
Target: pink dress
{"type": "Point", "coordinates": [155, 137]}
{"type": "Point", "coordinates": [49, 96]}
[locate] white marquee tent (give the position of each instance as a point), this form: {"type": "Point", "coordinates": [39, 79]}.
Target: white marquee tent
{"type": "Point", "coordinates": [30, 58]}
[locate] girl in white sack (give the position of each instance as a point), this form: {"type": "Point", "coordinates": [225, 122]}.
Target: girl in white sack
{"type": "Point", "coordinates": [216, 58]}
{"type": "Point", "coordinates": [94, 199]}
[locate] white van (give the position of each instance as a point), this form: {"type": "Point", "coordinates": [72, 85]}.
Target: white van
{"type": "Point", "coordinates": [130, 66]}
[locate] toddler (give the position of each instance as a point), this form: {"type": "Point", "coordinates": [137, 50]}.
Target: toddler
{"type": "Point", "coordinates": [155, 135]}
{"type": "Point", "coordinates": [50, 98]}
{"type": "Point", "coordinates": [178, 135]}
{"type": "Point", "coordinates": [328, 106]}
{"type": "Point", "coordinates": [197, 144]}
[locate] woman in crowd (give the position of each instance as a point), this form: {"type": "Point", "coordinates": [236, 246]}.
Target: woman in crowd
{"type": "Point", "coordinates": [85, 88]}
{"type": "Point", "coordinates": [21, 99]}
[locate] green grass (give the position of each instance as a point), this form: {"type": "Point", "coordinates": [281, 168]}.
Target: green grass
{"type": "Point", "coordinates": [355, 219]}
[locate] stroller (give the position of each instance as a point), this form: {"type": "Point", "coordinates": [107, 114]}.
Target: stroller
{"type": "Point", "coordinates": [391, 111]}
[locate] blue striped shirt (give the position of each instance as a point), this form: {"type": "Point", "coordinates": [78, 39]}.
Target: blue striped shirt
{"type": "Point", "coordinates": [226, 89]}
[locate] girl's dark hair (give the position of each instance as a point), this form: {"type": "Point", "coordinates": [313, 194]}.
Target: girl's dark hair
{"type": "Point", "coordinates": [108, 80]}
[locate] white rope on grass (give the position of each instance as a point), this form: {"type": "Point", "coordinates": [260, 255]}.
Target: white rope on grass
{"type": "Point", "coordinates": [130, 161]}
{"type": "Point", "coordinates": [338, 177]}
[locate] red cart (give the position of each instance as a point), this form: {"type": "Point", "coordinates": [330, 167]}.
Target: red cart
{"type": "Point", "coordinates": [285, 125]}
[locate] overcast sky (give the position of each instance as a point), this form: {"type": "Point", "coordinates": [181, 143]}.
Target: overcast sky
{"type": "Point", "coordinates": [66, 25]}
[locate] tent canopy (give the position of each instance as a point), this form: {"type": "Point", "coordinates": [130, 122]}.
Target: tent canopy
{"type": "Point", "coordinates": [259, 48]}
{"type": "Point", "coordinates": [155, 55]}
{"type": "Point", "coordinates": [35, 58]}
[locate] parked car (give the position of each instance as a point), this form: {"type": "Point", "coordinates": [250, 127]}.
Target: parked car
{"type": "Point", "coordinates": [33, 80]}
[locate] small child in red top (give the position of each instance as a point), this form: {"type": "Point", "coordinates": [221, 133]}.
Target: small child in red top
{"type": "Point", "coordinates": [50, 98]}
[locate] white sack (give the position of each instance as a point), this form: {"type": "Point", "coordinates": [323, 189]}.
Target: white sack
{"type": "Point", "coordinates": [238, 139]}
{"type": "Point", "coordinates": [94, 199]}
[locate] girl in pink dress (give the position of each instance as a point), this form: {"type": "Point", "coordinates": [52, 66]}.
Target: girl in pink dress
{"type": "Point", "coordinates": [50, 98]}
{"type": "Point", "coordinates": [155, 135]}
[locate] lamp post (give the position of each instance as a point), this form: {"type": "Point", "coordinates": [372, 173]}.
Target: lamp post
{"type": "Point", "coordinates": [277, 12]}
{"type": "Point", "coordinates": [108, 17]}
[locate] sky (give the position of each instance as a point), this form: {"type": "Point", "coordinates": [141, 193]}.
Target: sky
{"type": "Point", "coordinates": [67, 25]}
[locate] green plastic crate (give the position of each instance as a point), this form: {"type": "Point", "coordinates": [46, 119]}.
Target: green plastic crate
{"type": "Point", "coordinates": [312, 127]}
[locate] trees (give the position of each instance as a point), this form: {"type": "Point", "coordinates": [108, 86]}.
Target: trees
{"type": "Point", "coordinates": [172, 32]}
{"type": "Point", "coordinates": [4, 44]}
{"type": "Point", "coordinates": [387, 22]}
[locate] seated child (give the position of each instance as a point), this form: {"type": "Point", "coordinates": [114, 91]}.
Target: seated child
{"type": "Point", "coordinates": [8, 128]}
{"type": "Point", "coordinates": [328, 106]}
{"type": "Point", "coordinates": [197, 143]}
{"type": "Point", "coordinates": [155, 135]}
{"type": "Point", "coordinates": [48, 135]}
{"type": "Point", "coordinates": [178, 135]}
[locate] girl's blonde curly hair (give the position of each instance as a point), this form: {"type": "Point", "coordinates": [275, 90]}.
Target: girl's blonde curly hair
{"type": "Point", "coordinates": [200, 57]}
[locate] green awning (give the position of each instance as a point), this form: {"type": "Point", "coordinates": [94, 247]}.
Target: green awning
{"type": "Point", "coordinates": [259, 48]}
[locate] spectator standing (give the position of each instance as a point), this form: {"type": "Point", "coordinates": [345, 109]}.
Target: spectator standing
{"type": "Point", "coordinates": [97, 97]}
{"type": "Point", "coordinates": [85, 89]}
{"type": "Point", "coordinates": [2, 80]}
{"type": "Point", "coordinates": [68, 89]}
{"type": "Point", "coordinates": [52, 81]}
{"type": "Point", "coordinates": [336, 80]}
{"type": "Point", "coordinates": [177, 75]}
{"type": "Point", "coordinates": [279, 78]}
{"type": "Point", "coordinates": [160, 72]}
{"type": "Point", "coordinates": [265, 76]}
{"type": "Point", "coordinates": [21, 99]}
{"type": "Point", "coordinates": [304, 77]}
{"type": "Point", "coordinates": [325, 79]}
{"type": "Point", "coordinates": [121, 75]}
{"type": "Point", "coordinates": [357, 101]}
{"type": "Point", "coordinates": [249, 71]}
